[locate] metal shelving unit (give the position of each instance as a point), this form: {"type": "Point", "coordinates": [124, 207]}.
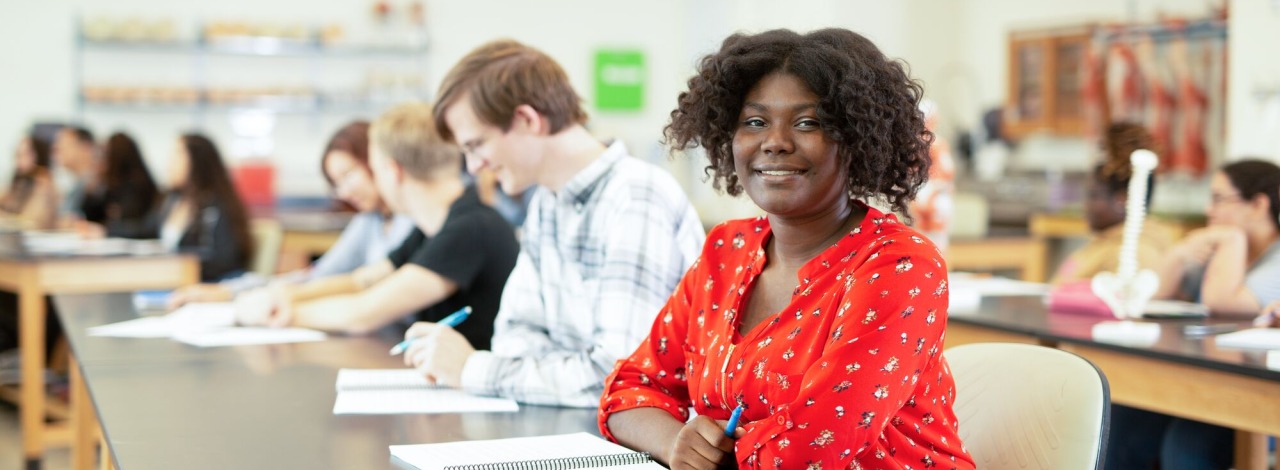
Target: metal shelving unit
{"type": "Point", "coordinates": [198, 52]}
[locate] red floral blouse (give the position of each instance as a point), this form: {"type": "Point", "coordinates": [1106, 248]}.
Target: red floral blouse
{"type": "Point", "coordinates": [849, 375]}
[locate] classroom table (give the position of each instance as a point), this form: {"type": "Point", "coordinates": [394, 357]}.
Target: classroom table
{"type": "Point", "coordinates": [33, 277]}
{"type": "Point", "coordinates": [311, 233]}
{"type": "Point", "coordinates": [164, 404]}
{"type": "Point", "coordinates": [1179, 375]}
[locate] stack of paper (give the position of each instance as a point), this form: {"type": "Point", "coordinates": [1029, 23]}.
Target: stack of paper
{"type": "Point", "coordinates": [191, 317]}
{"type": "Point", "coordinates": [1254, 338]}
{"type": "Point", "coordinates": [205, 325]}
{"type": "Point", "coordinates": [248, 335]}
{"type": "Point", "coordinates": [406, 391]}
{"type": "Point", "coordinates": [525, 452]}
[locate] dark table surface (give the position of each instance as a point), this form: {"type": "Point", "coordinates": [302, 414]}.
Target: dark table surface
{"type": "Point", "coordinates": [166, 405]}
{"type": "Point", "coordinates": [1028, 315]}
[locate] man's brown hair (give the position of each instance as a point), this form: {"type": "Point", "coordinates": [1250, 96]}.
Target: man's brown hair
{"type": "Point", "coordinates": [501, 75]}
{"type": "Point", "coordinates": [406, 135]}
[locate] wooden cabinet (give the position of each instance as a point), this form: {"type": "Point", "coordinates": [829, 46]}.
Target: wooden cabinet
{"type": "Point", "coordinates": [1047, 81]}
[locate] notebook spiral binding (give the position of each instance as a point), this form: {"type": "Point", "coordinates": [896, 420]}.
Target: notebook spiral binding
{"type": "Point", "coordinates": [565, 463]}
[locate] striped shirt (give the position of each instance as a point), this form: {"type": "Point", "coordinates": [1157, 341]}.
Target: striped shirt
{"type": "Point", "coordinates": [598, 260]}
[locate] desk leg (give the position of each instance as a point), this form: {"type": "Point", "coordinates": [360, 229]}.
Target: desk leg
{"type": "Point", "coordinates": [1251, 451]}
{"type": "Point", "coordinates": [31, 318]}
{"type": "Point", "coordinates": [82, 423]}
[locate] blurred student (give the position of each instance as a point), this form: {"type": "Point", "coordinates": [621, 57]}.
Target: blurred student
{"type": "Point", "coordinates": [934, 206]}
{"type": "Point", "coordinates": [31, 197]}
{"type": "Point", "coordinates": [201, 213]}
{"type": "Point", "coordinates": [76, 153]}
{"type": "Point", "coordinates": [126, 192]}
{"type": "Point", "coordinates": [1231, 266]}
{"type": "Point", "coordinates": [370, 236]}
{"type": "Point", "coordinates": [1105, 209]}
{"type": "Point", "coordinates": [460, 254]}
{"type": "Point", "coordinates": [606, 238]}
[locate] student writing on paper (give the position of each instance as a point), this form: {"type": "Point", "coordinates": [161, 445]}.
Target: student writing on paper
{"type": "Point", "coordinates": [1231, 266]}
{"type": "Point", "coordinates": [823, 319]}
{"type": "Point", "coordinates": [605, 241]}
{"type": "Point", "coordinates": [1104, 208]}
{"type": "Point", "coordinates": [459, 255]}
{"type": "Point", "coordinates": [372, 233]}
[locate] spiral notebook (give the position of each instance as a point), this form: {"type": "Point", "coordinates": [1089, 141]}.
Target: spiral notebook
{"type": "Point", "coordinates": [565, 451]}
{"type": "Point", "coordinates": [405, 391]}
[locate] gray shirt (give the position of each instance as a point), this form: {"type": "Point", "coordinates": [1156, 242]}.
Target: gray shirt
{"type": "Point", "coordinates": [363, 241]}
{"type": "Point", "coordinates": [1262, 279]}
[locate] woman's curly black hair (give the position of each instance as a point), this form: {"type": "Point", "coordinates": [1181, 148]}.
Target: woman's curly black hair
{"type": "Point", "coordinates": [868, 105]}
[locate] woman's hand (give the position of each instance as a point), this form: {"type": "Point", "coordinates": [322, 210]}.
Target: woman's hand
{"type": "Point", "coordinates": [1199, 245]}
{"type": "Point", "coordinates": [1270, 317]}
{"type": "Point", "coordinates": [701, 444]}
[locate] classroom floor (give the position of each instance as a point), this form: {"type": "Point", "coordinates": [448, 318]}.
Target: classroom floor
{"type": "Point", "coordinates": [11, 444]}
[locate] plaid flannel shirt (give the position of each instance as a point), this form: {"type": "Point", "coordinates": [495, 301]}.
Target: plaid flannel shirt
{"type": "Point", "coordinates": [597, 262]}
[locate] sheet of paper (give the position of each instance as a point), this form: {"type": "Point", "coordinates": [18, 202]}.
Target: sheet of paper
{"type": "Point", "coordinates": [418, 401]}
{"type": "Point", "coordinates": [439, 456]}
{"type": "Point", "coordinates": [381, 379]}
{"type": "Point", "coordinates": [1253, 338]}
{"type": "Point", "coordinates": [239, 336]}
{"type": "Point", "coordinates": [189, 318]}
{"type": "Point", "coordinates": [994, 286]}
{"type": "Point", "coordinates": [1174, 309]}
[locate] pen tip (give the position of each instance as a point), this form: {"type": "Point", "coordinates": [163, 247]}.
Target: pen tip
{"type": "Point", "coordinates": [467, 309]}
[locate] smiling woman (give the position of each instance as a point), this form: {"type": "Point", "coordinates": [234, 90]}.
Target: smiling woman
{"type": "Point", "coordinates": [821, 322]}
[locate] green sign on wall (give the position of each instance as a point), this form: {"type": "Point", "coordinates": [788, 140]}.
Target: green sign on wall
{"type": "Point", "coordinates": [620, 77]}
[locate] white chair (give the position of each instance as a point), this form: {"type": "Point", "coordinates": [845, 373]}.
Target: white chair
{"type": "Point", "coordinates": [1021, 406]}
{"type": "Point", "coordinates": [268, 236]}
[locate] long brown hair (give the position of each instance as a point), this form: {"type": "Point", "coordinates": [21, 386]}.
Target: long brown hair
{"type": "Point", "coordinates": [129, 186]}
{"type": "Point", "coordinates": [209, 184]}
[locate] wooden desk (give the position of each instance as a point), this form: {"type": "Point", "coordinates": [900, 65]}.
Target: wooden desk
{"type": "Point", "coordinates": [308, 234]}
{"type": "Point", "coordinates": [165, 405]}
{"type": "Point", "coordinates": [32, 278]}
{"type": "Point", "coordinates": [1178, 375]}
{"type": "Point", "coordinates": [1067, 225]}
{"type": "Point", "coordinates": [1027, 255]}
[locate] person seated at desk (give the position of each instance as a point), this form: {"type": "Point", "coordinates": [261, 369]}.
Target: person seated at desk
{"type": "Point", "coordinates": [76, 152]}
{"type": "Point", "coordinates": [460, 255]}
{"type": "Point", "coordinates": [823, 320]}
{"type": "Point", "coordinates": [202, 212]}
{"type": "Point", "coordinates": [370, 236]}
{"type": "Point", "coordinates": [1105, 209]}
{"type": "Point", "coordinates": [1232, 266]}
{"type": "Point", "coordinates": [605, 241]}
{"type": "Point", "coordinates": [31, 198]}
{"type": "Point", "coordinates": [127, 195]}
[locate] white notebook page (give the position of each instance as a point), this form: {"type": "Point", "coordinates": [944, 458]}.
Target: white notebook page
{"type": "Point", "coordinates": [439, 456]}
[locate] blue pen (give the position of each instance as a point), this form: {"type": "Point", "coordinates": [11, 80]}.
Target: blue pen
{"type": "Point", "coordinates": [454, 319]}
{"type": "Point", "coordinates": [733, 421]}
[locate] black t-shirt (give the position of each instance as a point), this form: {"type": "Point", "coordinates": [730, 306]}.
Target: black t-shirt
{"type": "Point", "coordinates": [476, 249]}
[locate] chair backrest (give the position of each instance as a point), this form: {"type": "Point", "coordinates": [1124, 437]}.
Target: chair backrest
{"type": "Point", "coordinates": [268, 236]}
{"type": "Point", "coordinates": [1021, 406]}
